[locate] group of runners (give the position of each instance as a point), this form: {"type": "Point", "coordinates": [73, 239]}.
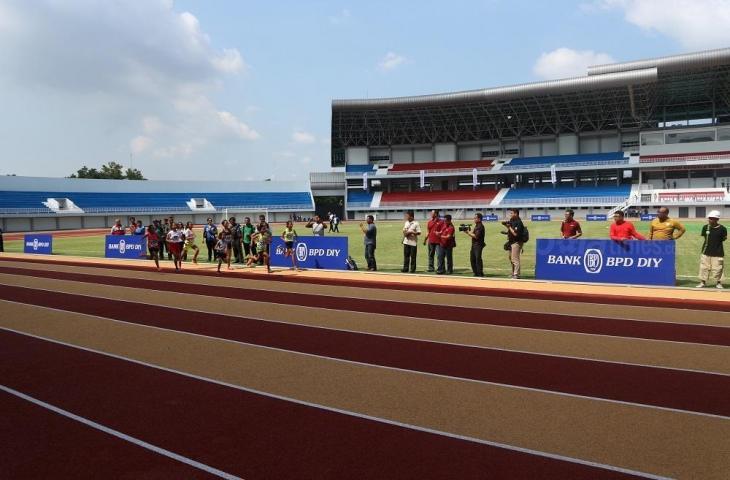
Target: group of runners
{"type": "Point", "coordinates": [229, 242]}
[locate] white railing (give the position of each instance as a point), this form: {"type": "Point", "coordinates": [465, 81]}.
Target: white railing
{"type": "Point", "coordinates": [564, 201]}
{"type": "Point", "coordinates": [25, 211]}
{"type": "Point", "coordinates": [437, 203]}
{"type": "Point", "coordinates": [439, 170]}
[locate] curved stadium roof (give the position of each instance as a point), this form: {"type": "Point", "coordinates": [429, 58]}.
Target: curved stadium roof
{"type": "Point", "coordinates": [626, 95]}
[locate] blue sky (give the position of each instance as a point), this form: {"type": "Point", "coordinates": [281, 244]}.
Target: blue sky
{"type": "Point", "coordinates": [242, 90]}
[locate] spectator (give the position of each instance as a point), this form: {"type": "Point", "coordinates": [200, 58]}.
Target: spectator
{"type": "Point", "coordinates": [477, 235]}
{"type": "Point", "coordinates": [712, 261]}
{"type": "Point", "coordinates": [210, 235]}
{"type": "Point", "coordinates": [331, 217]}
{"type": "Point", "coordinates": [433, 227]}
{"type": "Point", "coordinates": [139, 229]}
{"type": "Point", "coordinates": [165, 230]}
{"type": "Point", "coordinates": [289, 236]}
{"type": "Point", "coordinates": [411, 231]}
{"type": "Point", "coordinates": [623, 230]}
{"type": "Point", "coordinates": [2, 246]}
{"type": "Point", "coordinates": [446, 247]}
{"type": "Point", "coordinates": [248, 230]}
{"type": "Point", "coordinates": [370, 232]}
{"type": "Point", "coordinates": [570, 228]}
{"type": "Point", "coordinates": [336, 221]}
{"type": "Point", "coordinates": [317, 226]}
{"type": "Point", "coordinates": [236, 238]}
{"type": "Point", "coordinates": [161, 234]}
{"type": "Point", "coordinates": [153, 244]}
{"type": "Point", "coordinates": [663, 228]}
{"type": "Point", "coordinates": [515, 239]}
{"type": "Point", "coordinates": [189, 242]}
{"type": "Point", "coordinates": [117, 228]}
{"type": "Point", "coordinates": [132, 225]}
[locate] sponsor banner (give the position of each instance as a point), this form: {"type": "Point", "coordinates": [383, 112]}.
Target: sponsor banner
{"type": "Point", "coordinates": [637, 262]}
{"type": "Point", "coordinates": [540, 218]}
{"type": "Point", "coordinates": [648, 217]}
{"type": "Point", "coordinates": [312, 252]}
{"type": "Point", "coordinates": [490, 218]}
{"type": "Point", "coordinates": [38, 244]}
{"type": "Point", "coordinates": [125, 246]}
{"type": "Point", "coordinates": [595, 217]}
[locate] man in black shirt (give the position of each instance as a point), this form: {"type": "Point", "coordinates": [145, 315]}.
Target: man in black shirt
{"type": "Point", "coordinates": [477, 245]}
{"type": "Point", "coordinates": [712, 262]}
{"type": "Point", "coordinates": [515, 238]}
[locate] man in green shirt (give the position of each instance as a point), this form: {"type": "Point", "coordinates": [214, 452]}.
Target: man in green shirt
{"type": "Point", "coordinates": [248, 230]}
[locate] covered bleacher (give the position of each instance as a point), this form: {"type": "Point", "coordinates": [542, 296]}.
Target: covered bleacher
{"type": "Point", "coordinates": [440, 167]}
{"type": "Point", "coordinates": [581, 160]}
{"type": "Point", "coordinates": [438, 199]}
{"type": "Point", "coordinates": [567, 195]}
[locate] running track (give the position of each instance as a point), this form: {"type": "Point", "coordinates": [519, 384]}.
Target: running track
{"type": "Point", "coordinates": [194, 375]}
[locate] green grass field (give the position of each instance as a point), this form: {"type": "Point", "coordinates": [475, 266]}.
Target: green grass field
{"type": "Point", "coordinates": [389, 253]}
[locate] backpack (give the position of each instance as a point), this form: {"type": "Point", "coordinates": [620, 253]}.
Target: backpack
{"type": "Point", "coordinates": [525, 234]}
{"type": "Point", "coordinates": [351, 264]}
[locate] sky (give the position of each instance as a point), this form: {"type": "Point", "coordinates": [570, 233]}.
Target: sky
{"type": "Point", "coordinates": [242, 90]}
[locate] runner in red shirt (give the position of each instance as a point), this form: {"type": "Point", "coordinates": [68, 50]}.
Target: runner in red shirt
{"type": "Point", "coordinates": [623, 230]}
{"type": "Point", "coordinates": [570, 228]}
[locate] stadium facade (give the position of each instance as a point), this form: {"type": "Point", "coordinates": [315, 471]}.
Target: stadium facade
{"type": "Point", "coordinates": [625, 136]}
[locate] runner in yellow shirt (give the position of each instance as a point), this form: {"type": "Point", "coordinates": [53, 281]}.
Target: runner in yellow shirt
{"type": "Point", "coordinates": [664, 228]}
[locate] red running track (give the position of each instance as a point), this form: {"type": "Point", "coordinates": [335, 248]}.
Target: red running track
{"type": "Point", "coordinates": [691, 391]}
{"type": "Point", "coordinates": [252, 435]}
{"type": "Point", "coordinates": [362, 282]}
{"type": "Point", "coordinates": [38, 443]}
{"type": "Point", "coordinates": [542, 321]}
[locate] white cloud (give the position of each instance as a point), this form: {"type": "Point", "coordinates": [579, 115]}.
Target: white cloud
{"type": "Point", "coordinates": [694, 24]}
{"type": "Point", "coordinates": [341, 17]}
{"type": "Point", "coordinates": [237, 127]}
{"type": "Point", "coordinates": [390, 61]}
{"type": "Point", "coordinates": [300, 136]}
{"type": "Point", "coordinates": [566, 62]}
{"type": "Point", "coordinates": [139, 144]}
{"type": "Point", "coordinates": [113, 60]}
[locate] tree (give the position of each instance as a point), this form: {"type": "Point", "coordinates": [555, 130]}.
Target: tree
{"type": "Point", "coordinates": [112, 171]}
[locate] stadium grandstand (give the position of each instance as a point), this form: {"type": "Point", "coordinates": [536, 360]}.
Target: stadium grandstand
{"type": "Point", "coordinates": [30, 203]}
{"type": "Point", "coordinates": [627, 136]}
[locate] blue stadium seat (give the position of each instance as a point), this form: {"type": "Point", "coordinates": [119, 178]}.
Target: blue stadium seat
{"type": "Point", "coordinates": [359, 168]}
{"type": "Point", "coordinates": [359, 197]}
{"type": "Point", "coordinates": [609, 158]}
{"type": "Point", "coordinates": [602, 194]}
{"type": "Point", "coordinates": [25, 202]}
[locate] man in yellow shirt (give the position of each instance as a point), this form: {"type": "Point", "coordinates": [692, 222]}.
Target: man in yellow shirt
{"type": "Point", "coordinates": [664, 228]}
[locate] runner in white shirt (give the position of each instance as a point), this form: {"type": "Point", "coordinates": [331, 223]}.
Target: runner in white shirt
{"type": "Point", "coordinates": [189, 235]}
{"type": "Point", "coordinates": [411, 231]}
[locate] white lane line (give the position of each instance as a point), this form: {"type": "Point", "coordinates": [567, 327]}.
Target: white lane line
{"type": "Point", "coordinates": [398, 337]}
{"type": "Point", "coordinates": [349, 412]}
{"type": "Point", "coordinates": [375, 365]}
{"type": "Point", "coordinates": [120, 435]}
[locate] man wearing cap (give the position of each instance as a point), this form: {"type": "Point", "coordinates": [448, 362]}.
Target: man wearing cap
{"type": "Point", "coordinates": [665, 228]}
{"type": "Point", "coordinates": [712, 261]}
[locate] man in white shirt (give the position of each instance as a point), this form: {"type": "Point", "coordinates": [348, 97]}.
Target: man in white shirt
{"type": "Point", "coordinates": [317, 226]}
{"type": "Point", "coordinates": [411, 231]}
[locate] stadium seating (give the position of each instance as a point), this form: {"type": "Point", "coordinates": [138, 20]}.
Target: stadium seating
{"type": "Point", "coordinates": [685, 157]}
{"type": "Point", "coordinates": [359, 168]}
{"type": "Point", "coordinates": [437, 199]}
{"type": "Point", "coordinates": [600, 195]}
{"type": "Point", "coordinates": [589, 159]}
{"type": "Point", "coordinates": [359, 198]}
{"type": "Point", "coordinates": [98, 202]}
{"type": "Point", "coordinates": [25, 202]}
{"type": "Point", "coordinates": [403, 168]}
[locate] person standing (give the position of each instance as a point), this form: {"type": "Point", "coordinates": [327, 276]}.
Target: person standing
{"type": "Point", "coordinates": [2, 246]}
{"type": "Point", "coordinates": [623, 230]}
{"type": "Point", "coordinates": [411, 231]}
{"type": "Point", "coordinates": [336, 221]}
{"type": "Point", "coordinates": [570, 228]}
{"type": "Point", "coordinates": [139, 229]}
{"type": "Point", "coordinates": [210, 234]}
{"type": "Point", "coordinates": [446, 247]}
{"type": "Point", "coordinates": [664, 228]}
{"type": "Point", "coordinates": [331, 217]}
{"type": "Point", "coordinates": [370, 232]}
{"type": "Point", "coordinates": [248, 230]}
{"type": "Point", "coordinates": [712, 261]}
{"type": "Point", "coordinates": [161, 234]}
{"type": "Point", "coordinates": [515, 239]}
{"type": "Point", "coordinates": [237, 236]}
{"type": "Point", "coordinates": [117, 228]}
{"type": "Point", "coordinates": [477, 235]}
{"type": "Point", "coordinates": [189, 242]}
{"type": "Point", "coordinates": [263, 225]}
{"type": "Point", "coordinates": [317, 226]}
{"type": "Point", "coordinates": [433, 228]}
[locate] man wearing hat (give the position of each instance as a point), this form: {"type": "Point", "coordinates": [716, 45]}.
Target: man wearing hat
{"type": "Point", "coordinates": [712, 262]}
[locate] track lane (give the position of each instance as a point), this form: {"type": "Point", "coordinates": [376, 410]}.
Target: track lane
{"type": "Point", "coordinates": [252, 435]}
{"type": "Point", "coordinates": [709, 335]}
{"type": "Point", "coordinates": [682, 390]}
